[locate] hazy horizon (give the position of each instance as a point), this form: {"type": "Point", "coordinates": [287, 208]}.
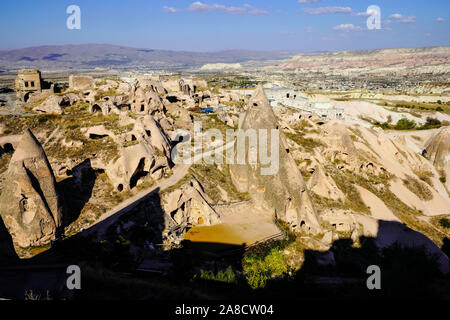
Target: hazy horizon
{"type": "Point", "coordinates": [306, 51]}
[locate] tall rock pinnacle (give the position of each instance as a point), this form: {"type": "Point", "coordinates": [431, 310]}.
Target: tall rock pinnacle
{"type": "Point", "coordinates": [284, 193]}
{"type": "Point", "coordinates": [29, 202]}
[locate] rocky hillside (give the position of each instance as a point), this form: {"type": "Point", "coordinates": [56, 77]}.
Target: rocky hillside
{"type": "Point", "coordinates": [434, 59]}
{"type": "Point", "coordinates": [91, 56]}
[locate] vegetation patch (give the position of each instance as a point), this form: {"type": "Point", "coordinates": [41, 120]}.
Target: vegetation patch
{"type": "Point", "coordinates": [264, 262]}
{"type": "Point", "coordinates": [309, 144]}
{"type": "Point", "coordinates": [226, 276]}
{"type": "Point", "coordinates": [418, 188]}
{"type": "Point", "coordinates": [425, 176]}
{"type": "Point", "coordinates": [210, 177]}
{"type": "Point", "coordinates": [445, 223]}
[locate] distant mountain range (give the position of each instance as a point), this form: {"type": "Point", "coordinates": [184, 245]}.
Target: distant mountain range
{"type": "Point", "coordinates": [90, 56]}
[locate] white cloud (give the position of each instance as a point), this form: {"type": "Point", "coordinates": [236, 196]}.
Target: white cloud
{"type": "Point", "coordinates": [308, 1]}
{"type": "Point", "coordinates": [440, 19]}
{"type": "Point", "coordinates": [360, 14]}
{"type": "Point", "coordinates": [397, 17]}
{"type": "Point", "coordinates": [246, 9]}
{"type": "Point", "coordinates": [170, 9]}
{"type": "Point", "coordinates": [328, 10]}
{"type": "Point", "coordinates": [335, 10]}
{"type": "Point", "coordinates": [347, 27]}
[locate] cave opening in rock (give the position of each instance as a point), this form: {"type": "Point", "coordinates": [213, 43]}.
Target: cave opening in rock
{"type": "Point", "coordinates": [138, 173]}
{"type": "Point", "coordinates": [7, 148]}
{"type": "Point", "coordinates": [124, 107]}
{"type": "Point", "coordinates": [96, 108]}
{"type": "Point", "coordinates": [172, 99]}
{"type": "Point", "coordinates": [97, 136]}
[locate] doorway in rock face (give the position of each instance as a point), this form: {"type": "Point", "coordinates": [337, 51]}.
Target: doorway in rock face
{"type": "Point", "coordinates": [96, 108]}
{"type": "Point", "coordinates": [138, 173]}
{"type": "Point", "coordinates": [7, 148]}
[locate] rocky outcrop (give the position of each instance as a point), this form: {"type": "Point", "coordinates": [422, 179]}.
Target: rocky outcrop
{"type": "Point", "coordinates": [438, 149]}
{"type": "Point", "coordinates": [188, 206]}
{"type": "Point", "coordinates": [145, 101]}
{"type": "Point", "coordinates": [80, 82]}
{"type": "Point", "coordinates": [29, 203]}
{"type": "Point", "coordinates": [52, 104]}
{"type": "Point", "coordinates": [145, 151]}
{"type": "Point", "coordinates": [283, 193]}
{"type": "Point", "coordinates": [323, 185]}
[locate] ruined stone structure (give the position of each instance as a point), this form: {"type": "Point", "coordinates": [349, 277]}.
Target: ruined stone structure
{"type": "Point", "coordinates": [28, 81]}
{"type": "Point", "coordinates": [81, 82]}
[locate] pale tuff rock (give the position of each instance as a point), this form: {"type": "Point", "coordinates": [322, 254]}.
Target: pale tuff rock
{"type": "Point", "coordinates": [181, 114]}
{"type": "Point", "coordinates": [189, 206]}
{"type": "Point", "coordinates": [149, 155]}
{"type": "Point", "coordinates": [152, 84]}
{"type": "Point", "coordinates": [80, 82]}
{"type": "Point", "coordinates": [145, 101]}
{"type": "Point", "coordinates": [323, 185]}
{"type": "Point", "coordinates": [339, 143]}
{"type": "Point", "coordinates": [52, 104]}
{"type": "Point", "coordinates": [186, 86]}
{"type": "Point", "coordinates": [438, 151]}
{"type": "Point", "coordinates": [283, 193]}
{"type": "Point", "coordinates": [29, 203]}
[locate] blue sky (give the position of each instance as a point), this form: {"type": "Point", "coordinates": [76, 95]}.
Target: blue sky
{"type": "Point", "coordinates": [227, 24]}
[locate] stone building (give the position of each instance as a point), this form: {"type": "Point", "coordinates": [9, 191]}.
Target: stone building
{"type": "Point", "coordinates": [28, 80]}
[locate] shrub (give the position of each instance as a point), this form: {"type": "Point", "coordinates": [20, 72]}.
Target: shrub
{"type": "Point", "coordinates": [226, 276]}
{"type": "Point", "coordinates": [439, 109]}
{"type": "Point", "coordinates": [443, 179]}
{"type": "Point", "coordinates": [405, 124]}
{"type": "Point", "coordinates": [420, 189]}
{"type": "Point", "coordinates": [262, 262]}
{"type": "Point", "coordinates": [444, 222]}
{"type": "Point", "coordinates": [431, 123]}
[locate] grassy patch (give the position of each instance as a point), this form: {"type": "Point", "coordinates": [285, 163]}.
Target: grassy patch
{"type": "Point", "coordinates": [210, 177]}
{"type": "Point", "coordinates": [418, 188]}
{"type": "Point", "coordinates": [345, 181]}
{"type": "Point", "coordinates": [445, 223]}
{"type": "Point", "coordinates": [264, 262]}
{"type": "Point", "coordinates": [309, 144]}
{"type": "Point", "coordinates": [226, 276]}
{"type": "Point", "coordinates": [425, 176]}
